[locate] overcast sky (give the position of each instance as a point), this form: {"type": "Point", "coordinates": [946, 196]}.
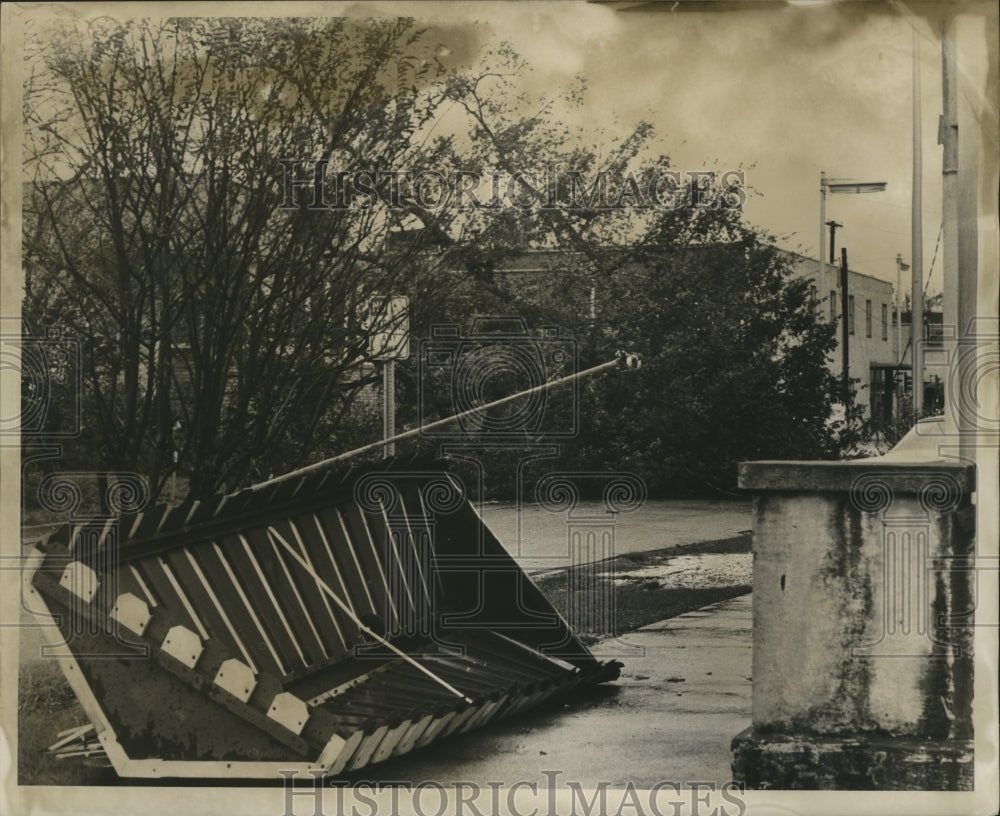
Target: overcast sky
{"type": "Point", "coordinates": [784, 92]}
{"type": "Point", "coordinates": [780, 90]}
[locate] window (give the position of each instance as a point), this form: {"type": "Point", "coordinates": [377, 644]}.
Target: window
{"type": "Point", "coordinates": [868, 318]}
{"type": "Point", "coordinates": [885, 322]}
{"type": "Point", "coordinates": [850, 314]}
{"type": "Point", "coordinates": [833, 305]}
{"type": "Point", "coordinates": [813, 296]}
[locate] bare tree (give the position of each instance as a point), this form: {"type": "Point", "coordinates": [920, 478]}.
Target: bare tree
{"type": "Point", "coordinates": [221, 328]}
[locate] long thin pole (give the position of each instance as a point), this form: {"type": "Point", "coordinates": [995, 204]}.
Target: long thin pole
{"type": "Point", "coordinates": [844, 333]}
{"type": "Point", "coordinates": [389, 406]}
{"type": "Point", "coordinates": [971, 150]}
{"type": "Point", "coordinates": [433, 425]}
{"type": "Point", "coordinates": [899, 314]}
{"type": "Point", "coordinates": [949, 190]}
{"type": "Point", "coordinates": [821, 279]}
{"type": "Point", "coordinates": [917, 249]}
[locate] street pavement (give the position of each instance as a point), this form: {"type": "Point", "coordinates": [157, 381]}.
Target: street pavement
{"type": "Point", "coordinates": [684, 693]}
{"type": "Point", "coordinates": [539, 539]}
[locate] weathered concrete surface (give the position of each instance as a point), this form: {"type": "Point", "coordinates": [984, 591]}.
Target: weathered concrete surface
{"type": "Point", "coordinates": [670, 716]}
{"type": "Point", "coordinates": [862, 610]}
{"type": "Point", "coordinates": [869, 763]}
{"type": "Point", "coordinates": [854, 601]}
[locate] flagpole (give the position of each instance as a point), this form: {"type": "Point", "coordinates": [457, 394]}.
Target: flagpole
{"type": "Point", "coordinates": [917, 251]}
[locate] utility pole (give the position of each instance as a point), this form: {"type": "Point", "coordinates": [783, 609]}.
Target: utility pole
{"type": "Point", "coordinates": [917, 250]}
{"type": "Point", "coordinates": [821, 280]}
{"type": "Point", "coordinates": [837, 186]}
{"type": "Point", "coordinates": [948, 139]}
{"type": "Point", "coordinates": [833, 233]}
{"type": "Point", "coordinates": [844, 336]}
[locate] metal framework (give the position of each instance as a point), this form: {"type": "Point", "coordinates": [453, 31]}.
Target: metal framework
{"type": "Point", "coordinates": [321, 624]}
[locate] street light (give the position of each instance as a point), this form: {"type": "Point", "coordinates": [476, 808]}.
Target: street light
{"type": "Point", "coordinates": [849, 186]}
{"type": "Point", "coordinates": [838, 186]}
{"type": "Point", "coordinates": [856, 186]}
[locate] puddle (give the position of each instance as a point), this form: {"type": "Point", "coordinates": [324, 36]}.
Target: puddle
{"type": "Point", "coordinates": [695, 571]}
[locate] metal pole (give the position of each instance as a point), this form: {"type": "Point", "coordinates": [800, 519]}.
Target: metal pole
{"type": "Point", "coordinates": [969, 133]}
{"type": "Point", "coordinates": [389, 407]}
{"type": "Point", "coordinates": [917, 250]}
{"type": "Point", "coordinates": [948, 138]}
{"type": "Point", "coordinates": [899, 319]}
{"type": "Point", "coordinates": [822, 234]}
{"type": "Point", "coordinates": [629, 360]}
{"type": "Point", "coordinates": [845, 349]}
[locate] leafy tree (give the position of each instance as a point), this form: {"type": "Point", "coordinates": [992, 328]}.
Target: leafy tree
{"type": "Point", "coordinates": [733, 364]}
{"type": "Point", "coordinates": [734, 356]}
{"type": "Point", "coordinates": [223, 331]}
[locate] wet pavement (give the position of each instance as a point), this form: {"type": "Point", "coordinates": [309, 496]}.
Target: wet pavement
{"type": "Point", "coordinates": [684, 693]}
{"type": "Point", "coordinates": [539, 539]}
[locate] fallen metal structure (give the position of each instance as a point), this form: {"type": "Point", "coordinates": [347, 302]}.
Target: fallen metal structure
{"type": "Point", "coordinates": [318, 624]}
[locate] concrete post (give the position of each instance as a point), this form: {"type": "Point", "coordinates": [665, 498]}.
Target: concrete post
{"type": "Point", "coordinates": [862, 636]}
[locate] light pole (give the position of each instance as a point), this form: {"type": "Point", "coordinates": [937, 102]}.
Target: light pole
{"type": "Point", "coordinates": [173, 476]}
{"type": "Point", "coordinates": [386, 321]}
{"type": "Point", "coordinates": [837, 186]}
{"type": "Point", "coordinates": [848, 186]}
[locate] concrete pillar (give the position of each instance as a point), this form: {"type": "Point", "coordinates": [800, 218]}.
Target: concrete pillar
{"type": "Point", "coordinates": [862, 636]}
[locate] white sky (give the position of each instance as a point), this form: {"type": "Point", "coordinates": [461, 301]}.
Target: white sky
{"type": "Point", "coordinates": [784, 92]}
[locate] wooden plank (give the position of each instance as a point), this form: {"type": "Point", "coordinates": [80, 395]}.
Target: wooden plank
{"type": "Point", "coordinates": [460, 720]}
{"type": "Point", "coordinates": [438, 725]}
{"type": "Point", "coordinates": [388, 539]}
{"type": "Point", "coordinates": [391, 740]}
{"type": "Point", "coordinates": [331, 570]}
{"type": "Point", "coordinates": [347, 563]}
{"type": "Point", "coordinates": [346, 753]}
{"type": "Point", "coordinates": [415, 732]}
{"type": "Point", "coordinates": [288, 579]}
{"type": "Point", "coordinates": [259, 556]}
{"type": "Point", "coordinates": [161, 582]}
{"type": "Point", "coordinates": [421, 526]}
{"type": "Point", "coordinates": [316, 600]}
{"type": "Point", "coordinates": [252, 580]}
{"type": "Point", "coordinates": [220, 572]}
{"type": "Point", "coordinates": [275, 573]}
{"type": "Point", "coordinates": [367, 748]}
{"type": "Point", "coordinates": [355, 530]}
{"type": "Point", "coordinates": [234, 633]}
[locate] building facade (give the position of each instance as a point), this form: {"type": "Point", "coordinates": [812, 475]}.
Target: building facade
{"type": "Point", "coordinates": [873, 354]}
